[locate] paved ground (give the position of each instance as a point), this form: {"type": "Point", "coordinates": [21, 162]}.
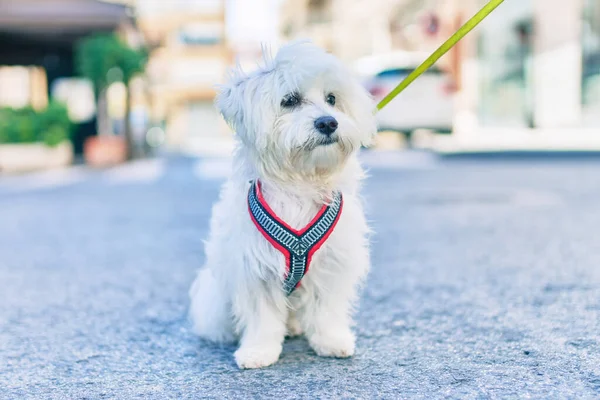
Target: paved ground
{"type": "Point", "coordinates": [485, 284]}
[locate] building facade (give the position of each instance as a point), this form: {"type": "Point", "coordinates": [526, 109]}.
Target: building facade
{"type": "Point", "coordinates": [37, 54]}
{"type": "Point", "coordinates": [527, 77]}
{"type": "Point", "coordinates": [189, 54]}
{"type": "Point", "coordinates": [530, 77]}
{"type": "Point", "coordinates": [349, 29]}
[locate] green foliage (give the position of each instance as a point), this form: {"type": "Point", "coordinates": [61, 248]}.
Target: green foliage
{"type": "Point", "coordinates": [54, 135]}
{"type": "Point", "coordinates": [55, 124]}
{"type": "Point", "coordinates": [97, 55]}
{"type": "Point", "coordinates": [132, 62]}
{"type": "Point", "coordinates": [17, 126]}
{"type": "Point", "coordinates": [26, 125]}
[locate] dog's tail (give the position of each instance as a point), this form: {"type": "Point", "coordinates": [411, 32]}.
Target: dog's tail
{"type": "Point", "coordinates": [209, 309]}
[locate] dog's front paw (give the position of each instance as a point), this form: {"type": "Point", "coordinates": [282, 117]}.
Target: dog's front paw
{"type": "Point", "coordinates": [334, 344]}
{"type": "Point", "coordinates": [248, 357]}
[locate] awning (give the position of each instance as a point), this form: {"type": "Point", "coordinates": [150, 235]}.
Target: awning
{"type": "Point", "coordinates": [35, 32]}
{"type": "Point", "coordinates": [62, 17]}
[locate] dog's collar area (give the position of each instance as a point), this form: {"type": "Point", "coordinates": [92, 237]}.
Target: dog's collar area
{"type": "Point", "coordinates": [297, 245]}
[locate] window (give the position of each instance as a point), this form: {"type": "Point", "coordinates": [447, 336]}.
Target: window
{"type": "Point", "coordinates": [78, 96]}
{"type": "Point", "coordinates": [505, 60]}
{"type": "Point", "coordinates": [205, 34]}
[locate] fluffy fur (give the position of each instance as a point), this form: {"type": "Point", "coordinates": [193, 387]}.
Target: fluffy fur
{"type": "Point", "coordinates": [238, 295]}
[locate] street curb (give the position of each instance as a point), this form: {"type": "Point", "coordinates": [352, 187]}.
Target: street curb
{"type": "Point", "coordinates": [533, 155]}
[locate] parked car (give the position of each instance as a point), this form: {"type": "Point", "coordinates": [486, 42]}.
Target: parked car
{"type": "Point", "coordinates": [426, 104]}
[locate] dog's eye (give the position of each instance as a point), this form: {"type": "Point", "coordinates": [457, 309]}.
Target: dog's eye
{"type": "Point", "coordinates": [291, 100]}
{"type": "Point", "coordinates": [330, 99]}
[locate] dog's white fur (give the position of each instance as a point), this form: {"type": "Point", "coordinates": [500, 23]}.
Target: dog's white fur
{"type": "Point", "coordinates": [239, 295]}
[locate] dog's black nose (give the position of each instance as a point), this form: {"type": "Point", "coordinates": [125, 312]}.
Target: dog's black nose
{"type": "Point", "coordinates": [326, 125]}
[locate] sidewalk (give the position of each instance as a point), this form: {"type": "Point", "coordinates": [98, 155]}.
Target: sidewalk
{"type": "Point", "coordinates": [484, 284]}
{"type": "Point", "coordinates": [516, 140]}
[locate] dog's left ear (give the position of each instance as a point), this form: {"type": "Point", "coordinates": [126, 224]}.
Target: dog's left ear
{"type": "Point", "coordinates": [229, 104]}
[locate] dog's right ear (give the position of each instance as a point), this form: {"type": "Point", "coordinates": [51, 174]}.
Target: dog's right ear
{"type": "Point", "coordinates": [229, 104]}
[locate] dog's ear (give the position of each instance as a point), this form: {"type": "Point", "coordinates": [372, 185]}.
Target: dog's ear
{"type": "Point", "coordinates": [362, 110]}
{"type": "Point", "coordinates": [237, 102]}
{"type": "Point", "coordinates": [229, 104]}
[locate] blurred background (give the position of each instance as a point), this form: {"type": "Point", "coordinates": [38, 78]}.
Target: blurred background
{"type": "Point", "coordinates": [482, 194]}
{"type": "Point", "coordinates": [101, 82]}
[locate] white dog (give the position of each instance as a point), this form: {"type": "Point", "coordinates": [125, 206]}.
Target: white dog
{"type": "Point", "coordinates": [288, 243]}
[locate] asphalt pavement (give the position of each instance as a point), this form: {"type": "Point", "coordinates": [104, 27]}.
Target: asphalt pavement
{"type": "Point", "coordinates": [485, 285]}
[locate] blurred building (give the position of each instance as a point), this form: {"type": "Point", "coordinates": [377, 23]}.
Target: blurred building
{"type": "Point", "coordinates": [528, 77]}
{"type": "Point", "coordinates": [189, 55]}
{"type": "Point", "coordinates": [354, 29]}
{"type": "Point", "coordinates": [349, 29]}
{"type": "Point", "coordinates": [250, 26]}
{"type": "Point", "coordinates": [37, 40]}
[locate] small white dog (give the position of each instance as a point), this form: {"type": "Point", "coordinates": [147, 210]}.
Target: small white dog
{"type": "Point", "coordinates": [288, 243]}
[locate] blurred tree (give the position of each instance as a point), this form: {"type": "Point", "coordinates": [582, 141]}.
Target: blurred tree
{"type": "Point", "coordinates": [131, 62]}
{"type": "Point", "coordinates": [95, 58]}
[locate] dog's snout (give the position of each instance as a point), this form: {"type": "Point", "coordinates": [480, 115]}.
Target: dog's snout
{"type": "Point", "coordinates": [326, 125]}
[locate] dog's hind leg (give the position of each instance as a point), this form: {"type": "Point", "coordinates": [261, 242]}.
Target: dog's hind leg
{"type": "Point", "coordinates": [210, 309]}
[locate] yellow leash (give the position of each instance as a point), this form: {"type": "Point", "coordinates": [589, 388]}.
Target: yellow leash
{"type": "Point", "coordinates": [443, 49]}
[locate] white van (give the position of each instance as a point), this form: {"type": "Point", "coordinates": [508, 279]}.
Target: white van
{"type": "Point", "coordinates": [426, 104]}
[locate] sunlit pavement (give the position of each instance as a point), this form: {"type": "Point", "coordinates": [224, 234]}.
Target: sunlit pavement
{"type": "Point", "coordinates": [485, 284]}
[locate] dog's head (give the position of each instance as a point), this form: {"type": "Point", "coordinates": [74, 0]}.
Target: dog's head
{"type": "Point", "coordinates": [302, 113]}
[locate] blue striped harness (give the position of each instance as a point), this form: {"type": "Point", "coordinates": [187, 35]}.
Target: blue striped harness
{"type": "Point", "coordinates": [298, 246]}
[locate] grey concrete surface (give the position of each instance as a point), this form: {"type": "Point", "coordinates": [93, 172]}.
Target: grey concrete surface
{"type": "Point", "coordinates": [485, 285]}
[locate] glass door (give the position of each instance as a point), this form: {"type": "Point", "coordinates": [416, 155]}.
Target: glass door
{"type": "Point", "coordinates": [505, 59]}
{"type": "Point", "coordinates": [591, 63]}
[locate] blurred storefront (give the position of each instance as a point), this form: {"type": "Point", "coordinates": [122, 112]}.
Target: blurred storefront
{"type": "Point", "coordinates": [527, 77]}
{"type": "Point", "coordinates": [505, 56]}
{"type": "Point", "coordinates": [189, 54]}
{"type": "Point", "coordinates": [37, 50]}
{"type": "Point", "coordinates": [530, 77]}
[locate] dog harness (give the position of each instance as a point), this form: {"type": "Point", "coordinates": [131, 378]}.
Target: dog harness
{"type": "Point", "coordinates": [297, 246]}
